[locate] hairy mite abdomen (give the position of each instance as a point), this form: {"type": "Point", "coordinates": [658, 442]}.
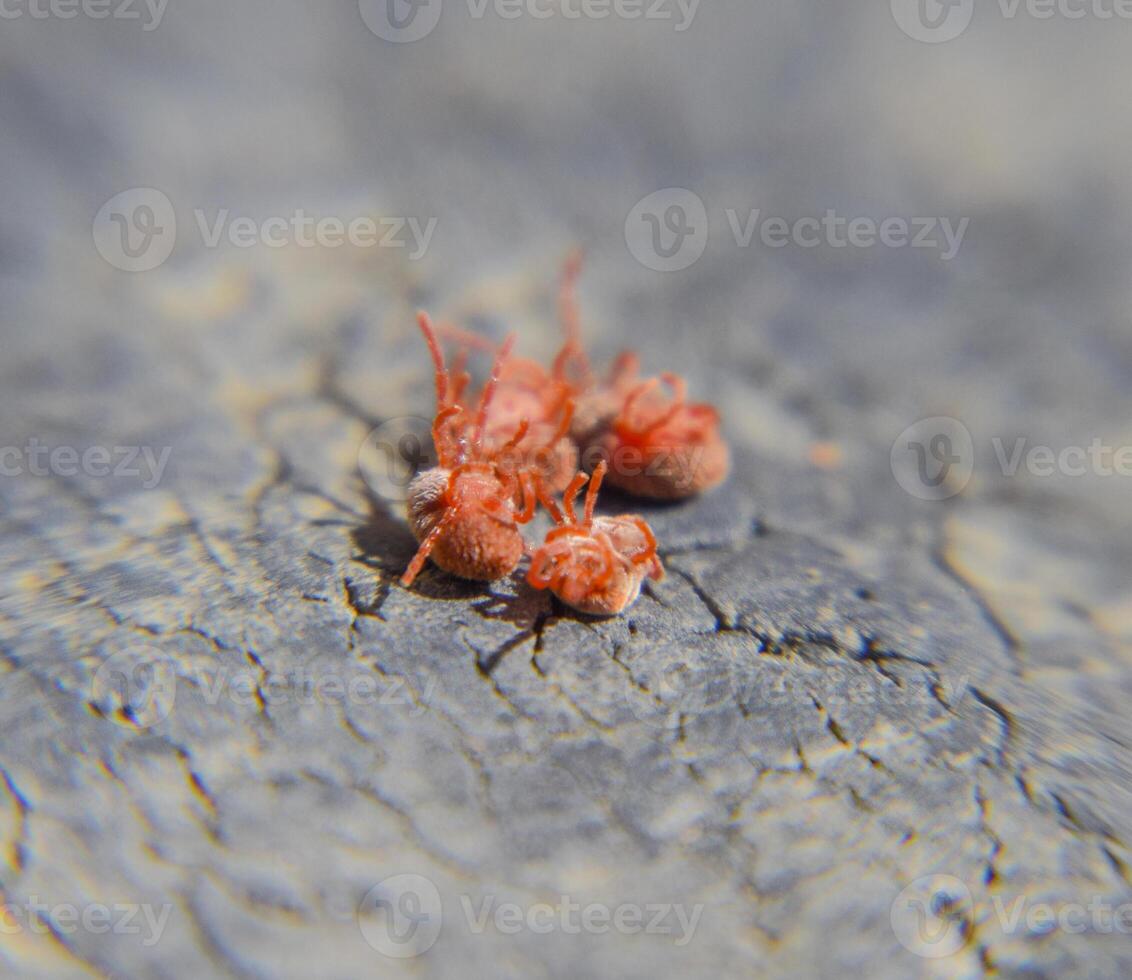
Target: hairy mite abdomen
{"type": "Point", "coordinates": [480, 540]}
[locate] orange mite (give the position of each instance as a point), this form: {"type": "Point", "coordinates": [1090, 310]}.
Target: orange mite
{"type": "Point", "coordinates": [657, 444]}
{"type": "Point", "coordinates": [466, 511]}
{"type": "Point", "coordinates": [596, 565]}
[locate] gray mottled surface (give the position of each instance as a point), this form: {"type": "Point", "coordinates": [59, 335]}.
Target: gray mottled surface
{"type": "Point", "coordinates": [838, 690]}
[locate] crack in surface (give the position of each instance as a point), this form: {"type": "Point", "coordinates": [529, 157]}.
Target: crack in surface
{"type": "Point", "coordinates": [23, 808]}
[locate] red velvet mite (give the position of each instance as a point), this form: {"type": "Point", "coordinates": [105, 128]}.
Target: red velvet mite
{"type": "Point", "coordinates": [596, 565]}
{"type": "Point", "coordinates": [466, 511]}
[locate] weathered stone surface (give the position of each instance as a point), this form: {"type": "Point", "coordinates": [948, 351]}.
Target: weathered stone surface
{"type": "Point", "coordinates": [839, 689]}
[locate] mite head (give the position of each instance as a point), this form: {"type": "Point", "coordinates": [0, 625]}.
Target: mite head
{"type": "Point", "coordinates": [595, 565]}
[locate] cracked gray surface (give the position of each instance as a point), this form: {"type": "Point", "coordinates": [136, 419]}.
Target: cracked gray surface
{"type": "Point", "coordinates": [838, 690]}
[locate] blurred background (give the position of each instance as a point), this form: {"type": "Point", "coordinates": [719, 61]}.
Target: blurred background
{"type": "Point", "coordinates": [888, 238]}
{"type": "Point", "coordinates": [508, 139]}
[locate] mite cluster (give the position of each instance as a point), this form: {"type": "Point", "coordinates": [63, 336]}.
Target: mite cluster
{"type": "Point", "coordinates": [519, 441]}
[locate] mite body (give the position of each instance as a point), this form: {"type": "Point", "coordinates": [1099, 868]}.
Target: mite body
{"type": "Point", "coordinates": [596, 565]}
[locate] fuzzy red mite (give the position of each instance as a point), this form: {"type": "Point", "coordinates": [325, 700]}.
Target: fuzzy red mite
{"type": "Point", "coordinates": [596, 565]}
{"type": "Point", "coordinates": [657, 444]}
{"type": "Point", "coordinates": [466, 511]}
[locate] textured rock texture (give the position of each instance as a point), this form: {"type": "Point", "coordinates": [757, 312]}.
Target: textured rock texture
{"type": "Point", "coordinates": [223, 721]}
